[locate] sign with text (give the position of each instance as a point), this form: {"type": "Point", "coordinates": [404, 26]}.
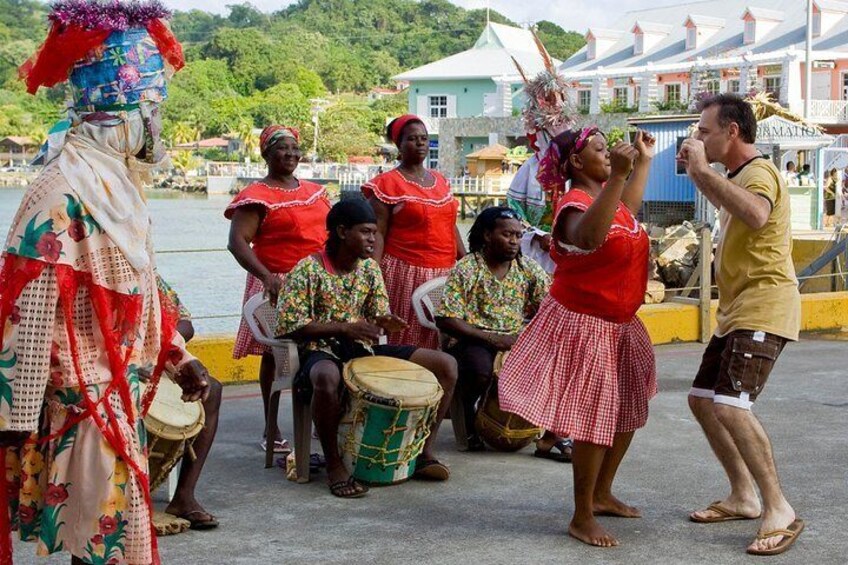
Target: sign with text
{"type": "Point", "coordinates": [784, 133]}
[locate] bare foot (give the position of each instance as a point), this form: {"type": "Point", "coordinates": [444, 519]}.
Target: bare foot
{"type": "Point", "coordinates": [608, 505]}
{"type": "Point", "coordinates": [730, 509]}
{"type": "Point", "coordinates": [776, 520]}
{"type": "Point", "coordinates": [591, 532]}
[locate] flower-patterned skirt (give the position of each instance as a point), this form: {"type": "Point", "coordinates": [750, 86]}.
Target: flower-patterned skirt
{"type": "Point", "coordinates": [73, 493]}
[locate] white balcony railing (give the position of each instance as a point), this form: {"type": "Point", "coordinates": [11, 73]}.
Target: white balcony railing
{"type": "Point", "coordinates": [823, 111]}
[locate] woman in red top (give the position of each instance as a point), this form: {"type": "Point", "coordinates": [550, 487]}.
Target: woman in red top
{"type": "Point", "coordinates": [584, 367]}
{"type": "Point", "coordinates": [416, 217]}
{"type": "Point", "coordinates": [276, 222]}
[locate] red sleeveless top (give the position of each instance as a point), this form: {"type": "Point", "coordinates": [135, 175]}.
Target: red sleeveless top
{"type": "Point", "coordinates": [294, 225]}
{"type": "Point", "coordinates": [422, 231]}
{"type": "Point", "coordinates": [610, 281]}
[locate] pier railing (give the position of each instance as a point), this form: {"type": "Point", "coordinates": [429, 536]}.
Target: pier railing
{"type": "Point", "coordinates": [699, 284]}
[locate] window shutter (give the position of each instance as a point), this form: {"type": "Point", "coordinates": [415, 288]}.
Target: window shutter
{"type": "Point", "coordinates": [422, 108]}
{"type": "Point", "coordinates": [451, 106]}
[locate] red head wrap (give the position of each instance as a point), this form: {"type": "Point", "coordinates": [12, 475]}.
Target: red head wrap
{"type": "Point", "coordinates": [271, 134]}
{"type": "Point", "coordinates": [397, 125]}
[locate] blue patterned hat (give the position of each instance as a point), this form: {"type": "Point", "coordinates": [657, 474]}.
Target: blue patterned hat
{"type": "Point", "coordinates": [125, 70]}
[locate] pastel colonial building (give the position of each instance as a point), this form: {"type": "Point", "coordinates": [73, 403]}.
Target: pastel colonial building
{"type": "Point", "coordinates": [471, 100]}
{"type": "Point", "coordinates": [659, 58]}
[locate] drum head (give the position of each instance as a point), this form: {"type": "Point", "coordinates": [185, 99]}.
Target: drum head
{"type": "Point", "coordinates": [387, 377]}
{"type": "Point", "coordinates": [169, 409]}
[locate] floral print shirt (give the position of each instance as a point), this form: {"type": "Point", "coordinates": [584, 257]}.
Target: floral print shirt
{"type": "Point", "coordinates": [171, 294]}
{"type": "Point", "coordinates": [472, 293]}
{"type": "Point", "coordinates": [312, 294]}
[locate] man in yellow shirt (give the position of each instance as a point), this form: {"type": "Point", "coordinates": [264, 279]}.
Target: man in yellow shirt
{"type": "Point", "coordinates": [759, 311]}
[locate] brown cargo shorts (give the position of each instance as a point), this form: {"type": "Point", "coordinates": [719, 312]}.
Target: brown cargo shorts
{"type": "Point", "coordinates": [735, 367]}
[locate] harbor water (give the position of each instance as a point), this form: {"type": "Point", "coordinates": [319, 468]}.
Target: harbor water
{"type": "Point", "coordinates": [206, 276]}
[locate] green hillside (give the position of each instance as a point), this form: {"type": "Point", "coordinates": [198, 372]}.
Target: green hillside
{"type": "Point", "coordinates": [249, 68]}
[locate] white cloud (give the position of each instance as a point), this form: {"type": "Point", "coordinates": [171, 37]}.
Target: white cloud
{"type": "Point", "coordinates": [575, 15]}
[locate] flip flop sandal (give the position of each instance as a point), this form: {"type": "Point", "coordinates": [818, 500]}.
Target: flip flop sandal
{"type": "Point", "coordinates": [357, 489]}
{"type": "Point", "coordinates": [316, 462]}
{"type": "Point", "coordinates": [198, 524]}
{"type": "Point", "coordinates": [562, 455]}
{"type": "Point", "coordinates": [724, 515]}
{"type": "Point", "coordinates": [281, 446]}
{"type": "Point", "coordinates": [790, 534]}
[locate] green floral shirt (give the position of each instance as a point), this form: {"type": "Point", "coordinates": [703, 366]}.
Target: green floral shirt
{"type": "Point", "coordinates": [311, 294]}
{"type": "Point", "coordinates": [473, 294]}
{"type": "Point", "coordinates": [172, 295]}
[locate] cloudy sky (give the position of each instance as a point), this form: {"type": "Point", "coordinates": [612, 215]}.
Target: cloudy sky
{"type": "Point", "coordinates": [570, 14]}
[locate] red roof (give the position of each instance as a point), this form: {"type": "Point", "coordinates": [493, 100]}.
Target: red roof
{"type": "Point", "coordinates": [360, 160]}
{"type": "Point", "coordinates": [19, 140]}
{"type": "Point", "coordinates": [378, 90]}
{"type": "Point", "coordinates": [207, 143]}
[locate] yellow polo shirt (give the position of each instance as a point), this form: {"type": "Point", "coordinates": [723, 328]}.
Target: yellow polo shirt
{"type": "Point", "coordinates": [754, 270]}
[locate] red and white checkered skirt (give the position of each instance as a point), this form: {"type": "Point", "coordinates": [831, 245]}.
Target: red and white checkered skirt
{"type": "Point", "coordinates": [245, 344]}
{"type": "Point", "coordinates": [580, 376]}
{"type": "Point", "coordinates": [401, 280]}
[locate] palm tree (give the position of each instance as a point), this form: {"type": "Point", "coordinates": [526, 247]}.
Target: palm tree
{"type": "Point", "coordinates": [184, 161]}
{"type": "Point", "coordinates": [249, 140]}
{"type": "Point", "coordinates": [184, 132]}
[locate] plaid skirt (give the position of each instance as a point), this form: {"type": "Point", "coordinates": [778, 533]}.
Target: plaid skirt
{"type": "Point", "coordinates": [401, 280]}
{"type": "Point", "coordinates": [580, 376]}
{"type": "Point", "coordinates": [245, 344]}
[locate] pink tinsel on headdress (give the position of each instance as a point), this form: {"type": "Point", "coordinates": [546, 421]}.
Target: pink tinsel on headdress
{"type": "Point", "coordinates": [78, 26]}
{"type": "Point", "coordinates": [112, 15]}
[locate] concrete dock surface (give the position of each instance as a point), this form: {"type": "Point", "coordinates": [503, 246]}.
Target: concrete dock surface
{"type": "Point", "coordinates": [509, 508]}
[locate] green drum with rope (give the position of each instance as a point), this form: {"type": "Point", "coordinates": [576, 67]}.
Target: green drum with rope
{"type": "Point", "coordinates": [393, 403]}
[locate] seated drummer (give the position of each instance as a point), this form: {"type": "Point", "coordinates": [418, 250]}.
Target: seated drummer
{"type": "Point", "coordinates": [334, 304]}
{"type": "Point", "coordinates": [184, 504]}
{"type": "Point", "coordinates": [487, 297]}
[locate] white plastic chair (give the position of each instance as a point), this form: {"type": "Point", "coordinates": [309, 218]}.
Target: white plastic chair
{"type": "Point", "coordinates": [426, 300]}
{"type": "Point", "coordinates": [261, 318]}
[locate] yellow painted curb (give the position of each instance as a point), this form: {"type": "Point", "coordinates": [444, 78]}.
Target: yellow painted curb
{"type": "Point", "coordinates": [666, 323]}
{"type": "Point", "coordinates": [216, 352]}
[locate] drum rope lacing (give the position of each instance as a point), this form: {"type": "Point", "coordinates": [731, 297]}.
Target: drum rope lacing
{"type": "Point", "coordinates": [405, 454]}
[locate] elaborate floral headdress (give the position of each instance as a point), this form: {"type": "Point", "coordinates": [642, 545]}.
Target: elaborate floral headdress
{"type": "Point", "coordinates": [549, 113]}
{"type": "Point", "coordinates": [116, 54]}
{"type": "Point", "coordinates": [548, 107]}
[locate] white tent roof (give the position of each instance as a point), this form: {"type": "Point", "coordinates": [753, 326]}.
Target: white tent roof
{"type": "Point", "coordinates": [489, 58]}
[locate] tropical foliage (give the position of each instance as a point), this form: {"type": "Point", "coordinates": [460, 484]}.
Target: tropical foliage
{"type": "Point", "coordinates": [249, 68]}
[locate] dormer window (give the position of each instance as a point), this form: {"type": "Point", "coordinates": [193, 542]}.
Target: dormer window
{"type": "Point", "coordinates": [646, 35]}
{"type": "Point", "coordinates": [827, 14]}
{"type": "Point", "coordinates": [700, 28]}
{"type": "Point", "coordinates": [691, 37]}
{"type": "Point", "coordinates": [638, 43]}
{"type": "Point", "coordinates": [750, 32]}
{"type": "Point", "coordinates": [759, 22]}
{"type": "Point", "coordinates": [599, 41]}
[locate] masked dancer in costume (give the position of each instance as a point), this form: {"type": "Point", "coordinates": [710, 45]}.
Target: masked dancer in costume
{"type": "Point", "coordinates": [79, 304]}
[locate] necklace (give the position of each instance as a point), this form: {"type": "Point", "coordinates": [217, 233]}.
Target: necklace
{"type": "Point", "coordinates": [276, 187]}
{"type": "Point", "coordinates": [419, 179]}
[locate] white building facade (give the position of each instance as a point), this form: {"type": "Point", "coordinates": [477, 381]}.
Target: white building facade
{"type": "Point", "coordinates": [664, 58]}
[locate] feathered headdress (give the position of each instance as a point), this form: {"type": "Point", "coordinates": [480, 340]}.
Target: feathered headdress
{"type": "Point", "coordinates": [127, 44]}
{"type": "Point", "coordinates": [548, 107]}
